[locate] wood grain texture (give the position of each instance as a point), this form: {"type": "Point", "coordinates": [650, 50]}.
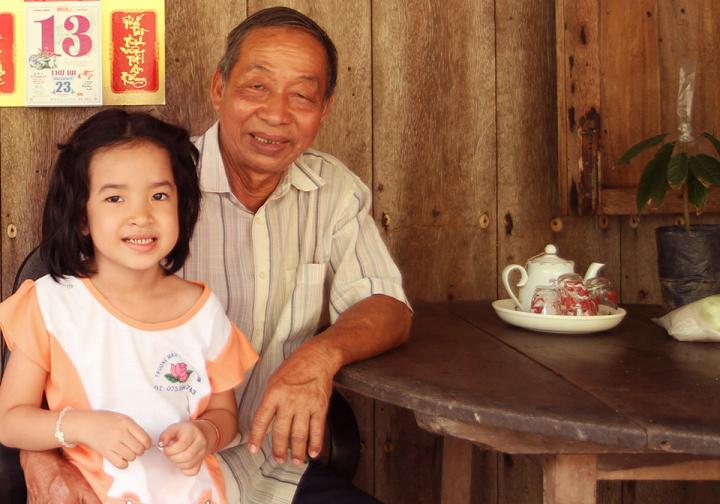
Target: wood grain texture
{"type": "Point", "coordinates": [630, 87]}
{"type": "Point", "coordinates": [364, 411]}
{"type": "Point", "coordinates": [347, 133]}
{"type": "Point", "coordinates": [578, 51]}
{"type": "Point", "coordinates": [192, 54]}
{"type": "Point", "coordinates": [688, 30]}
{"type": "Point", "coordinates": [526, 137]}
{"type": "Point", "coordinates": [457, 462]}
{"type": "Point", "coordinates": [650, 380]}
{"type": "Point", "coordinates": [434, 143]}
{"type": "Point", "coordinates": [408, 459]}
{"type": "Point", "coordinates": [569, 479]}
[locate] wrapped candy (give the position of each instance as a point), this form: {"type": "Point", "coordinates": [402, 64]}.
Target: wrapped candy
{"type": "Point", "coordinates": [573, 297]}
{"type": "Point", "coordinates": [545, 301]}
{"type": "Point", "coordinates": [602, 291]}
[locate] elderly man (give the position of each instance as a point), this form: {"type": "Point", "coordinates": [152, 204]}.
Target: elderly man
{"type": "Point", "coordinates": [285, 239]}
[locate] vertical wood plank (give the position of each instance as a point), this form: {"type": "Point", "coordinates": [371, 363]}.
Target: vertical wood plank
{"type": "Point", "coordinates": [434, 143]}
{"type": "Point", "coordinates": [485, 476]}
{"type": "Point", "coordinates": [520, 480]}
{"type": "Point", "coordinates": [527, 190]}
{"type": "Point", "coordinates": [192, 54]}
{"type": "Point", "coordinates": [670, 492]}
{"type": "Point", "coordinates": [347, 134]}
{"type": "Point", "coordinates": [407, 459]}
{"type": "Point", "coordinates": [578, 51]}
{"type": "Point", "coordinates": [364, 411]}
{"type": "Point", "coordinates": [630, 56]}
{"type": "Point", "coordinates": [570, 479]}
{"type": "Point", "coordinates": [688, 30]}
{"type": "Point", "coordinates": [457, 461]}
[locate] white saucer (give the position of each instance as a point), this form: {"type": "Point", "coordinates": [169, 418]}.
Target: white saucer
{"type": "Point", "coordinates": [562, 324]}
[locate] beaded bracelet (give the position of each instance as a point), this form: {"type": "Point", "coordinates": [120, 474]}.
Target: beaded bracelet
{"type": "Point", "coordinates": [217, 433]}
{"type": "Point", "coordinates": [59, 435]}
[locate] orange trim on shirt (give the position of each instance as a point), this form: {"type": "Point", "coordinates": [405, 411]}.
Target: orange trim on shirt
{"type": "Point", "coordinates": [223, 372]}
{"type": "Point", "coordinates": [148, 326]}
{"type": "Point", "coordinates": [22, 324]}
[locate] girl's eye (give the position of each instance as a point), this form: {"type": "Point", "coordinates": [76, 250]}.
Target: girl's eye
{"type": "Point", "coordinates": [113, 199]}
{"type": "Point", "coordinates": [257, 86]}
{"type": "Point", "coordinates": [159, 196]}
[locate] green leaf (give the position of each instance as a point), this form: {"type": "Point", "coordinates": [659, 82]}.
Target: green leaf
{"type": "Point", "coordinates": [714, 140]}
{"type": "Point", "coordinates": [677, 170]}
{"type": "Point", "coordinates": [639, 147]}
{"type": "Point", "coordinates": [708, 170]}
{"type": "Point", "coordinates": [697, 193]}
{"type": "Point", "coordinates": [653, 181]}
{"type": "Point", "coordinates": [171, 378]}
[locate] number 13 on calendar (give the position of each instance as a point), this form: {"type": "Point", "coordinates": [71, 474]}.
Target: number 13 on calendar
{"type": "Point", "coordinates": [63, 53]}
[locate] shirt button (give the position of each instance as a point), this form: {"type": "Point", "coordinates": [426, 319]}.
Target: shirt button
{"type": "Point", "coordinates": [262, 275]}
{"type": "Point", "coordinates": [259, 221]}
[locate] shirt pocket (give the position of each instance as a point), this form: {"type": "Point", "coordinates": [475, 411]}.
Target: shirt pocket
{"type": "Point", "coordinates": [307, 303]}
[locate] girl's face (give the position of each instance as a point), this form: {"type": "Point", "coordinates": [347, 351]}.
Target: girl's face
{"type": "Point", "coordinates": [132, 208]}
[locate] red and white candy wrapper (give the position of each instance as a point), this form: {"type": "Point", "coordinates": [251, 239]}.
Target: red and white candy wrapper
{"type": "Point", "coordinates": [545, 301]}
{"type": "Point", "coordinates": [574, 298]}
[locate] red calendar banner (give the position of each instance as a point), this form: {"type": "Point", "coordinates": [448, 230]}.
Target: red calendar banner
{"type": "Point", "coordinates": [12, 50]}
{"type": "Point", "coordinates": [135, 42]}
{"type": "Point", "coordinates": [7, 53]}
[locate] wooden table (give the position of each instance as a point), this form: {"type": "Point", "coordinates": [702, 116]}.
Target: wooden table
{"type": "Point", "coordinates": [630, 403]}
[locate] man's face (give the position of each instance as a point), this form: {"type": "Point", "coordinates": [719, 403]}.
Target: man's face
{"type": "Point", "coordinates": [273, 103]}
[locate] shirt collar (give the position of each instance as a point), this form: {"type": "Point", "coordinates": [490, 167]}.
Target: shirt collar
{"type": "Point", "coordinates": [214, 179]}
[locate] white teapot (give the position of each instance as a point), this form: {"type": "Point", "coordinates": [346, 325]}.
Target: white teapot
{"type": "Point", "coordinates": [541, 270]}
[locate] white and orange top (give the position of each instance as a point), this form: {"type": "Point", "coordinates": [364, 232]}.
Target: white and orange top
{"type": "Point", "coordinates": [156, 373]}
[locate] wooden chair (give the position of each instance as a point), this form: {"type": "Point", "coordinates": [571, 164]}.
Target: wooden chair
{"type": "Point", "coordinates": [344, 436]}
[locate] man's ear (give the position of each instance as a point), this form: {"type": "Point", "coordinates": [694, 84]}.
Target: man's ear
{"type": "Point", "coordinates": [217, 89]}
{"type": "Point", "coordinates": [326, 108]}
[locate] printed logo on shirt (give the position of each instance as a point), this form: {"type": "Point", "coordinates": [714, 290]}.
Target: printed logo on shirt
{"type": "Point", "coordinates": [173, 374]}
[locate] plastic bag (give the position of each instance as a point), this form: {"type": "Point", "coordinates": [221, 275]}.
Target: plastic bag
{"type": "Point", "coordinates": [698, 321]}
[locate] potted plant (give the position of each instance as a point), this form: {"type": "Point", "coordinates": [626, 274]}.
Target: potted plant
{"type": "Point", "coordinates": [688, 256]}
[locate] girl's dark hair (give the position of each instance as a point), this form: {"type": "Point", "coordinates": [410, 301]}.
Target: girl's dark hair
{"type": "Point", "coordinates": [64, 248]}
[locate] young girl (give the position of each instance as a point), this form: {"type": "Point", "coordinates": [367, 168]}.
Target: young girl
{"type": "Point", "coordinates": [138, 365]}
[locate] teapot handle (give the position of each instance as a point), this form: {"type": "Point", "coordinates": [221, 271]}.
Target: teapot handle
{"type": "Point", "coordinates": [506, 281]}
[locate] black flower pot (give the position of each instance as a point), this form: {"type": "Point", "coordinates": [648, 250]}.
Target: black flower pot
{"type": "Point", "coordinates": [688, 263]}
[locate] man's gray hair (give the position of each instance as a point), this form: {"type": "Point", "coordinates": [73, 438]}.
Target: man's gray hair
{"type": "Point", "coordinates": [279, 17]}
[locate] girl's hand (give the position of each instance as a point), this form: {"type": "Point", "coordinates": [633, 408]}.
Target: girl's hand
{"type": "Point", "coordinates": [185, 445]}
{"type": "Point", "coordinates": [114, 436]}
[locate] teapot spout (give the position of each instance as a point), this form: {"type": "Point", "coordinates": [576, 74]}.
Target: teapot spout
{"type": "Point", "coordinates": [593, 270]}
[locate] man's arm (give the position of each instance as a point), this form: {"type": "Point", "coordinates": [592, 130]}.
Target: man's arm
{"type": "Point", "coordinates": [298, 393]}
{"type": "Point", "coordinates": [51, 478]}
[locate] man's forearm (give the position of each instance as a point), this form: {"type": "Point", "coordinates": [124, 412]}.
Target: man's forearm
{"type": "Point", "coordinates": [368, 328]}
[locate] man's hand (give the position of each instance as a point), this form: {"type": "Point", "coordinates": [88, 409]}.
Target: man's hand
{"type": "Point", "coordinates": [51, 478]}
{"type": "Point", "coordinates": [297, 398]}
{"type": "Point", "coordinates": [298, 393]}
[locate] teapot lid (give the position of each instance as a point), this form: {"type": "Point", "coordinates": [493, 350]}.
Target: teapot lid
{"type": "Point", "coordinates": [548, 257]}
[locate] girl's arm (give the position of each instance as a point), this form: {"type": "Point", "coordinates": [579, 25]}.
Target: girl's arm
{"type": "Point", "coordinates": [187, 443]}
{"type": "Point", "coordinates": [23, 424]}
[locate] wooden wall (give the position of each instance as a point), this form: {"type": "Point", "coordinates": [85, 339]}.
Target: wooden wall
{"type": "Point", "coordinates": [448, 111]}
